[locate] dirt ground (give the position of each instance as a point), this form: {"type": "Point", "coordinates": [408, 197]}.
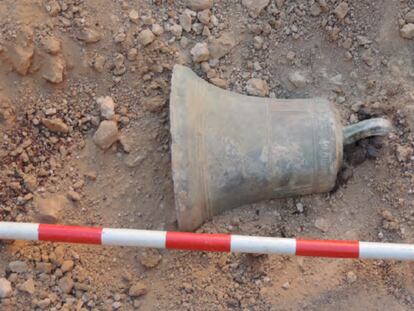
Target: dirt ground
{"type": "Point", "coordinates": [59, 58]}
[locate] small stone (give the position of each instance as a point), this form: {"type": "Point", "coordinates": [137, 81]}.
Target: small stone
{"type": "Point", "coordinates": [290, 55]}
{"type": "Point", "coordinates": [21, 58]}
{"type": "Point", "coordinates": [53, 69]}
{"type": "Point", "coordinates": [28, 287]}
{"type": "Point", "coordinates": [221, 83]}
{"type": "Point", "coordinates": [199, 5]}
{"type": "Point", "coordinates": [286, 286]}
{"type": "Point", "coordinates": [407, 31]}
{"type": "Point", "coordinates": [18, 266]}
{"type": "Point", "coordinates": [67, 266]}
{"type": "Point", "coordinates": [185, 20]}
{"type": "Point", "coordinates": [315, 10]}
{"type": "Point", "coordinates": [200, 52]}
{"type": "Point", "coordinates": [125, 143]}
{"type": "Point", "coordinates": [176, 30]}
{"type": "Point", "coordinates": [89, 35]}
{"type": "Point", "coordinates": [138, 289]}
{"type": "Point", "coordinates": [154, 104]}
{"type": "Point", "coordinates": [351, 277]}
{"type": "Point", "coordinates": [409, 17]}
{"type": "Point", "coordinates": [300, 208]}
{"type": "Point", "coordinates": [107, 107]}
{"type": "Point", "coordinates": [44, 267]}
{"type": "Point", "coordinates": [280, 3]}
{"type": "Point", "coordinates": [298, 79]}
{"type": "Point", "coordinates": [134, 16]}
{"type": "Point", "coordinates": [55, 125]}
{"type": "Point", "coordinates": [157, 29]}
{"type": "Point", "coordinates": [51, 45]}
{"type": "Point", "coordinates": [50, 208]}
{"type": "Point", "coordinates": [116, 305]}
{"type": "Point", "coordinates": [43, 304]}
{"type": "Point", "coordinates": [206, 32]}
{"type": "Point", "coordinates": [341, 10]}
{"type": "Point", "coordinates": [258, 42]}
{"type": "Point", "coordinates": [30, 182]}
{"type": "Point", "coordinates": [322, 224]}
{"type": "Point", "coordinates": [204, 17]}
{"type": "Point", "coordinates": [5, 288]}
{"type": "Point", "coordinates": [106, 135]}
{"type": "Point", "coordinates": [66, 284]}
{"type": "Point", "coordinates": [404, 153]}
{"type": "Point", "coordinates": [150, 258]}
{"type": "Point", "coordinates": [257, 87]}
{"type": "Point", "coordinates": [255, 7]}
{"type": "Point", "coordinates": [99, 63]}
{"type": "Point", "coordinates": [145, 37]}
{"type": "Point", "coordinates": [120, 37]}
{"type": "Point", "coordinates": [73, 195]}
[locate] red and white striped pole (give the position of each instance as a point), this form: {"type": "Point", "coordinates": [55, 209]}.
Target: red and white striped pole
{"type": "Point", "coordinates": [206, 242]}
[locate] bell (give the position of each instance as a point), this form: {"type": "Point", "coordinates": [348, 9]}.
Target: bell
{"type": "Point", "coordinates": [230, 149]}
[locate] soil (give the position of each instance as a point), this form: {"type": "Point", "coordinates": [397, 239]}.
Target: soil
{"type": "Point", "coordinates": [57, 57]}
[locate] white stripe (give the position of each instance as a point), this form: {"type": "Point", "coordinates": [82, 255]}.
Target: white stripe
{"type": "Point", "coordinates": [262, 245]}
{"type": "Point", "coordinates": [372, 250]}
{"type": "Point", "coordinates": [19, 231]}
{"type": "Point", "coordinates": [130, 237]}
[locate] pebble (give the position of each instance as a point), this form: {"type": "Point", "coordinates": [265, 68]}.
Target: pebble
{"type": "Point", "coordinates": [55, 125]}
{"type": "Point", "coordinates": [28, 286]}
{"type": "Point", "coordinates": [30, 182]}
{"type": "Point", "coordinates": [286, 286]}
{"type": "Point", "coordinates": [66, 284]}
{"type": "Point", "coordinates": [204, 17]}
{"type": "Point", "coordinates": [298, 79]}
{"type": "Point", "coordinates": [257, 87]}
{"type": "Point", "coordinates": [107, 107]}
{"type": "Point", "coordinates": [407, 31]}
{"type": "Point", "coordinates": [258, 42]}
{"type": "Point", "coordinates": [322, 224]}
{"type": "Point", "coordinates": [200, 52]}
{"type": "Point", "coordinates": [185, 20]}
{"type": "Point", "coordinates": [255, 7]}
{"type": "Point", "coordinates": [145, 37]}
{"type": "Point", "coordinates": [351, 277]}
{"type": "Point", "coordinates": [409, 17]}
{"type": "Point", "coordinates": [138, 289]}
{"type": "Point", "coordinates": [49, 209]}
{"type": "Point", "coordinates": [89, 35]}
{"type": "Point", "coordinates": [5, 288]}
{"type": "Point", "coordinates": [106, 135]}
{"type": "Point", "coordinates": [199, 5]}
{"type": "Point", "coordinates": [150, 258]}
{"type": "Point", "coordinates": [22, 59]}
{"type": "Point", "coordinates": [404, 153]}
{"type": "Point", "coordinates": [99, 63]}
{"type": "Point", "coordinates": [67, 265]}
{"type": "Point", "coordinates": [134, 16]}
{"type": "Point", "coordinates": [341, 10]}
{"type": "Point", "coordinates": [299, 207]}
{"type": "Point", "coordinates": [176, 30]}
{"type": "Point", "coordinates": [53, 69]}
{"type": "Point", "coordinates": [51, 45]}
{"type": "Point", "coordinates": [154, 104]}
{"type": "Point", "coordinates": [157, 29]}
{"type": "Point", "coordinates": [18, 266]}
{"type": "Point", "coordinates": [73, 195]}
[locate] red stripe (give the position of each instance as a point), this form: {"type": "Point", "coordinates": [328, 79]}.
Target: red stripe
{"type": "Point", "coordinates": [329, 248]}
{"type": "Point", "coordinates": [198, 241]}
{"type": "Point", "coordinates": [70, 234]}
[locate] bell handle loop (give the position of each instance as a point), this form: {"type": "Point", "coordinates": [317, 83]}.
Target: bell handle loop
{"type": "Point", "coordinates": [366, 128]}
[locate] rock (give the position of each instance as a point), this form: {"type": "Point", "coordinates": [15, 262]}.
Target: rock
{"type": "Point", "coordinates": [21, 58]}
{"type": "Point", "coordinates": [145, 37]}
{"type": "Point", "coordinates": [280, 3]}
{"type": "Point", "coordinates": [125, 143]}
{"type": "Point", "coordinates": [258, 42]}
{"type": "Point", "coordinates": [409, 17]}
{"type": "Point", "coordinates": [53, 69]}
{"type": "Point", "coordinates": [404, 153]}
{"type": "Point", "coordinates": [44, 267]}
{"type": "Point", "coordinates": [199, 5]}
{"type": "Point", "coordinates": [221, 46]}
{"type": "Point", "coordinates": [255, 7]}
{"type": "Point", "coordinates": [132, 54]}
{"type": "Point", "coordinates": [341, 10]}
{"type": "Point", "coordinates": [18, 266]}
{"type": "Point", "coordinates": [138, 289]}
{"type": "Point", "coordinates": [106, 135]}
{"type": "Point", "coordinates": [298, 79]}
{"type": "Point", "coordinates": [185, 20]}
{"type": "Point", "coordinates": [300, 208]}
{"type": "Point", "coordinates": [89, 35]}
{"type": "Point", "coordinates": [257, 87]}
{"type": "Point", "coordinates": [7, 112]}
{"type": "Point", "coordinates": [66, 284]}
{"type": "Point", "coordinates": [53, 8]}
{"type": "Point", "coordinates": [200, 52]}
{"type": "Point", "coordinates": [30, 182]}
{"type": "Point", "coordinates": [315, 10]}
{"type": "Point", "coordinates": [50, 208]}
{"type": "Point", "coordinates": [51, 45]}
{"type": "Point", "coordinates": [322, 224]}
{"type": "Point", "coordinates": [407, 31]}
{"type": "Point", "coordinates": [157, 29]}
{"type": "Point", "coordinates": [224, 84]}
{"type": "Point", "coordinates": [154, 104]}
{"type": "Point", "coordinates": [204, 17]}
{"type": "Point", "coordinates": [5, 288]}
{"type": "Point", "coordinates": [73, 195]}
{"type": "Point", "coordinates": [107, 107]}
{"type": "Point", "coordinates": [67, 266]}
{"type": "Point", "coordinates": [134, 16]}
{"type": "Point", "coordinates": [44, 303]}
{"type": "Point", "coordinates": [55, 125]}
{"type": "Point", "coordinates": [286, 286]}
{"type": "Point", "coordinates": [28, 286]}
{"type": "Point", "coordinates": [150, 258]}
{"type": "Point", "coordinates": [351, 277]}
{"type": "Point", "coordinates": [176, 30]}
